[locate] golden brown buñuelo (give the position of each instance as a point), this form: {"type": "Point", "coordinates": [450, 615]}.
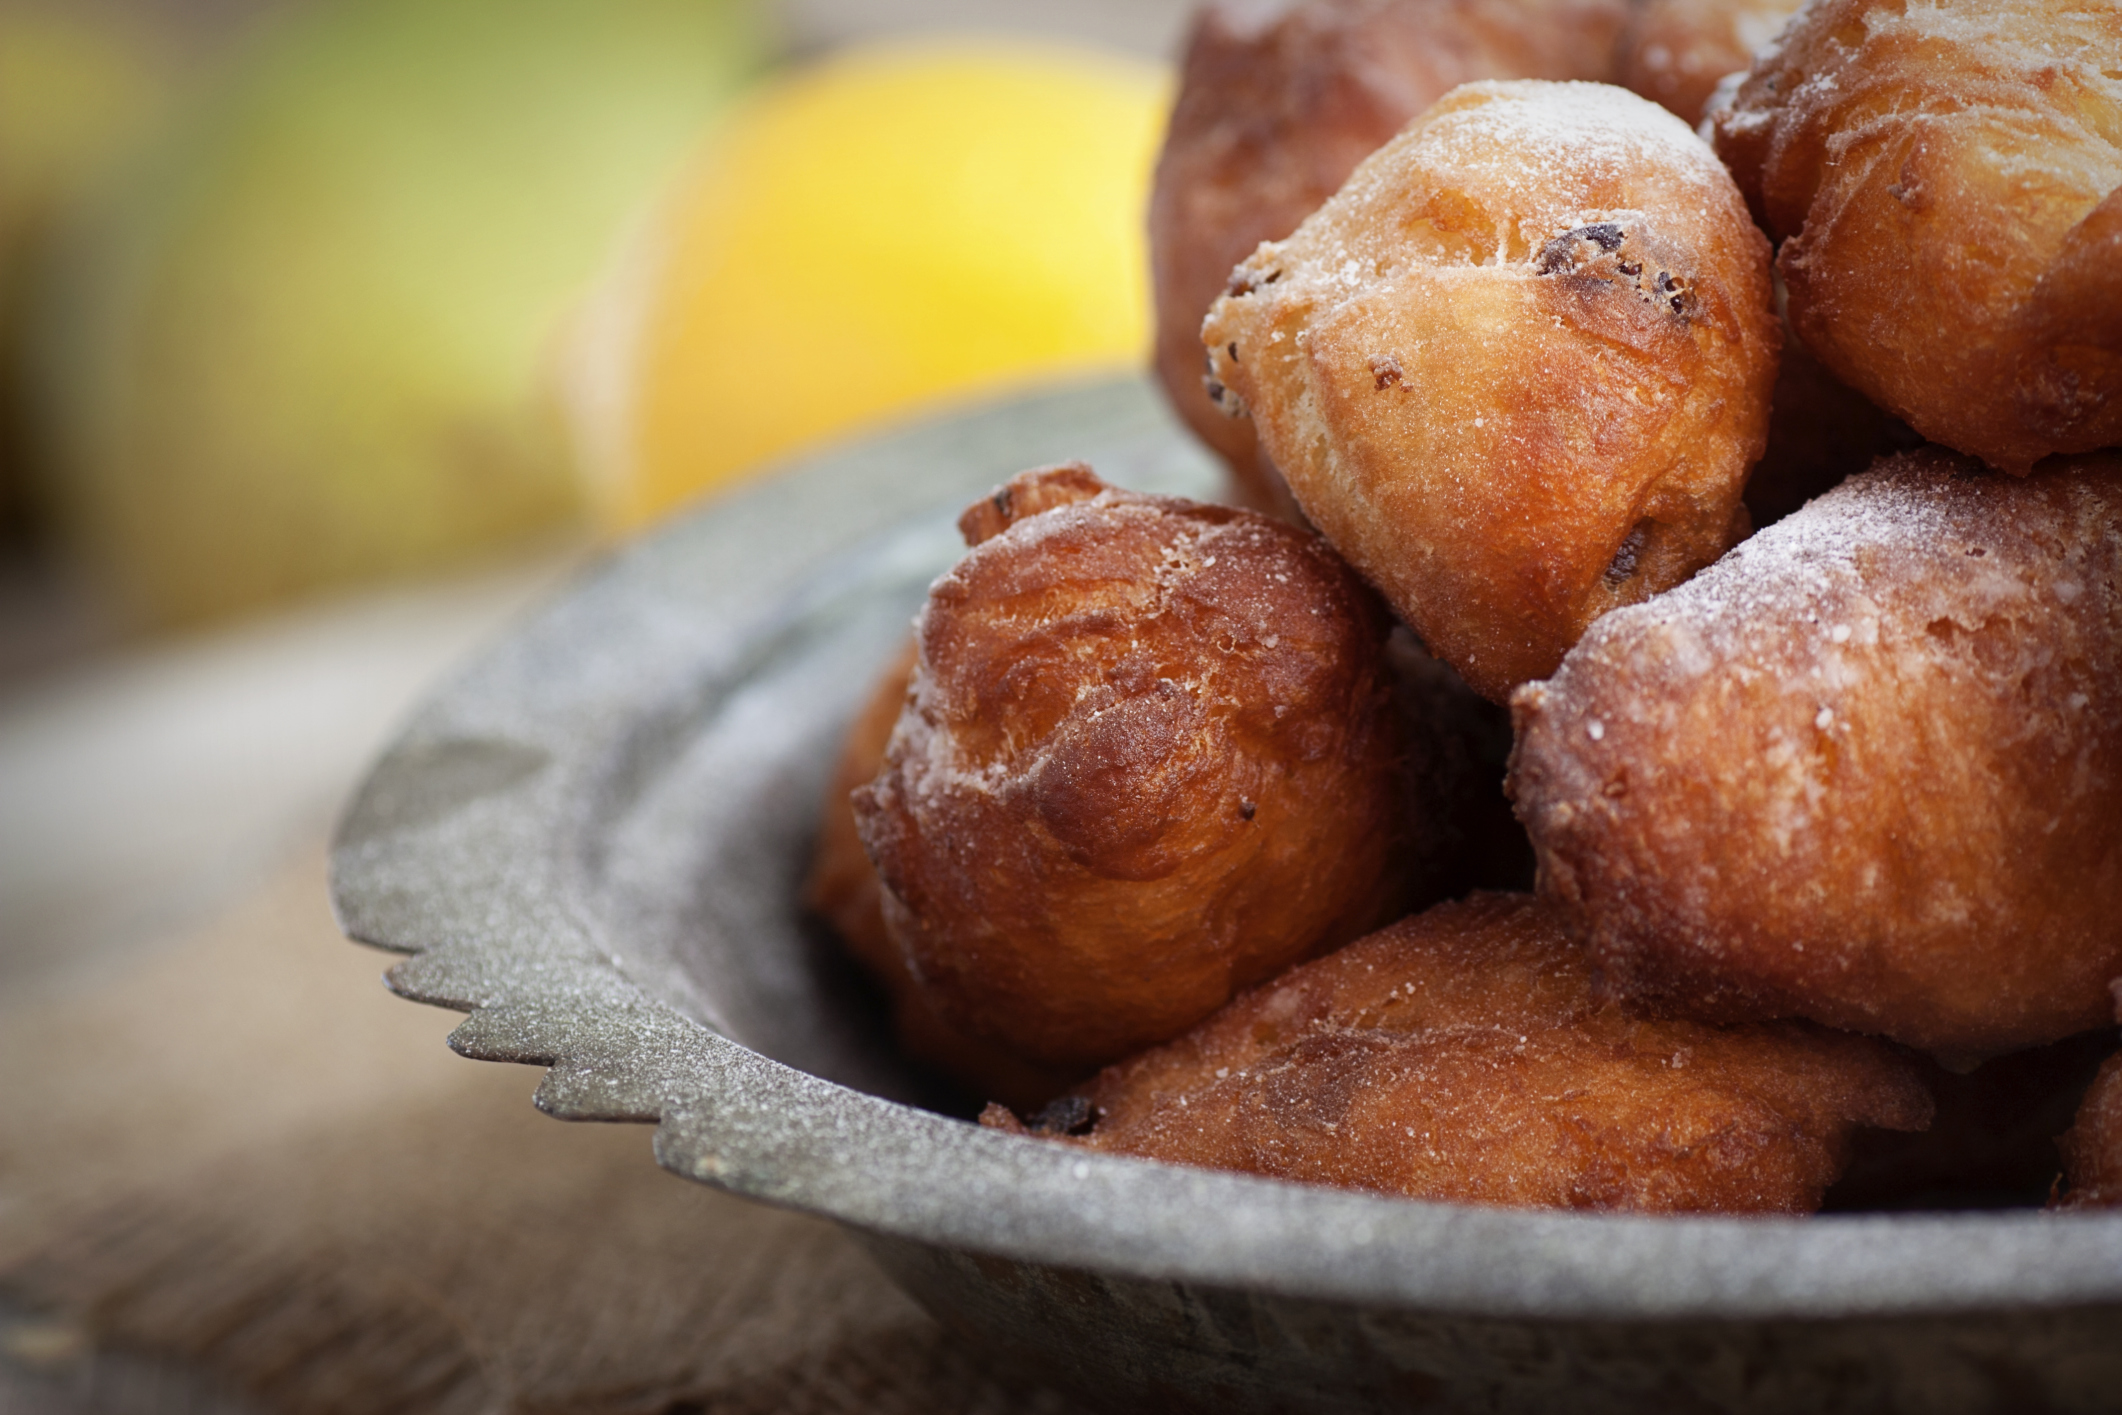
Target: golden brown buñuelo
{"type": "Point", "coordinates": [1866, 769]}
{"type": "Point", "coordinates": [1276, 107]}
{"type": "Point", "coordinates": [1461, 1054]}
{"type": "Point", "coordinates": [1676, 52]}
{"type": "Point", "coordinates": [1149, 757]}
{"type": "Point", "coordinates": [1946, 182]}
{"type": "Point", "coordinates": [843, 889]}
{"type": "Point", "coordinates": [1517, 368]}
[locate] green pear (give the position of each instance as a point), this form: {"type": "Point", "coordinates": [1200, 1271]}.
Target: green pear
{"type": "Point", "coordinates": [309, 344]}
{"type": "Point", "coordinates": [79, 83]}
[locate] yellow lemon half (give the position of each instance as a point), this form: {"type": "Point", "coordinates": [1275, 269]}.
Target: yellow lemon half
{"type": "Point", "coordinates": [893, 226]}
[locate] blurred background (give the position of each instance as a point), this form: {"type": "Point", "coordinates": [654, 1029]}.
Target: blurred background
{"type": "Point", "coordinates": [332, 329]}
{"type": "Point", "coordinates": [333, 333]}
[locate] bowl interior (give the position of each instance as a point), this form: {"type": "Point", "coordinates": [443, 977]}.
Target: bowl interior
{"type": "Point", "coordinates": [696, 860]}
{"type": "Point", "coordinates": [592, 839]}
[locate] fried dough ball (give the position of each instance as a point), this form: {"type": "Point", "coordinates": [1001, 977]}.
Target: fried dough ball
{"type": "Point", "coordinates": [1150, 757]}
{"type": "Point", "coordinates": [1992, 1142]}
{"type": "Point", "coordinates": [1867, 769]}
{"type": "Point", "coordinates": [843, 890]}
{"type": "Point", "coordinates": [2092, 1147]}
{"type": "Point", "coordinates": [1516, 369]}
{"type": "Point", "coordinates": [1945, 177]}
{"type": "Point", "coordinates": [1674, 52]}
{"type": "Point", "coordinates": [1461, 1055]}
{"type": "Point", "coordinates": [1277, 104]}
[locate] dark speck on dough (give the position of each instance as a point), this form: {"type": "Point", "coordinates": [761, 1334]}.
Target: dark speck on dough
{"type": "Point", "coordinates": [1623, 564]}
{"type": "Point", "coordinates": [1070, 1115]}
{"type": "Point", "coordinates": [1561, 252]}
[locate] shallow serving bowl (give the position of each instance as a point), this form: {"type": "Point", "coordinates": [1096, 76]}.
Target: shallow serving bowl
{"type": "Point", "coordinates": [592, 840]}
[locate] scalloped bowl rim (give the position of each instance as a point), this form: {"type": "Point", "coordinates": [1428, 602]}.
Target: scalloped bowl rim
{"type": "Point", "coordinates": [457, 888]}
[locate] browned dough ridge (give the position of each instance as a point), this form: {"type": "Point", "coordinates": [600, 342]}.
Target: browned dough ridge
{"type": "Point", "coordinates": [1461, 1054]}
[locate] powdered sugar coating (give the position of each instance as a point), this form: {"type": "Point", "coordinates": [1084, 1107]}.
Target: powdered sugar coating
{"type": "Point", "coordinates": [1461, 1055]}
{"type": "Point", "coordinates": [1512, 138]}
{"type": "Point", "coordinates": [1945, 177]}
{"type": "Point", "coordinates": [1149, 757]}
{"type": "Point", "coordinates": [1516, 369]}
{"type": "Point", "coordinates": [1277, 104]}
{"type": "Point", "coordinates": [1866, 769]}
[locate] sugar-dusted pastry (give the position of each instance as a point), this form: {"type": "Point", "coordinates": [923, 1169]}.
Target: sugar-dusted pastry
{"type": "Point", "coordinates": [1150, 756]}
{"type": "Point", "coordinates": [1277, 104]}
{"type": "Point", "coordinates": [1945, 177]}
{"type": "Point", "coordinates": [1866, 769]}
{"type": "Point", "coordinates": [1674, 52]}
{"type": "Point", "coordinates": [1462, 1054]}
{"type": "Point", "coordinates": [1516, 369]}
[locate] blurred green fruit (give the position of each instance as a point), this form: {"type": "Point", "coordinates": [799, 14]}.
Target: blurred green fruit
{"type": "Point", "coordinates": [78, 84]}
{"type": "Point", "coordinates": [309, 344]}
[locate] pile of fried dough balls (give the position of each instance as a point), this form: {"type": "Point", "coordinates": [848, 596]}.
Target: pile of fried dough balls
{"type": "Point", "coordinates": [1649, 736]}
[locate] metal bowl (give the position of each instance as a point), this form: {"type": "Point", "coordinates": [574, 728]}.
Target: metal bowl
{"type": "Point", "coordinates": [591, 839]}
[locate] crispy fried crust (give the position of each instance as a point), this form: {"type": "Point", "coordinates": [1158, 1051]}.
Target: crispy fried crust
{"type": "Point", "coordinates": [1673, 52]}
{"type": "Point", "coordinates": [1867, 769]}
{"type": "Point", "coordinates": [843, 890]}
{"type": "Point", "coordinates": [1460, 1054]}
{"type": "Point", "coordinates": [1946, 181]}
{"type": "Point", "coordinates": [2092, 1147]}
{"type": "Point", "coordinates": [1150, 757]}
{"type": "Point", "coordinates": [1276, 107]}
{"type": "Point", "coordinates": [1514, 404]}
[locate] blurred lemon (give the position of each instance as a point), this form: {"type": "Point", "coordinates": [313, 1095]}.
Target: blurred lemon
{"type": "Point", "coordinates": [310, 343]}
{"type": "Point", "coordinates": [895, 225]}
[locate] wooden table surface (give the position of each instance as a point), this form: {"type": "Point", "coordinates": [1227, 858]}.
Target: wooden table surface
{"type": "Point", "coordinates": [209, 1205]}
{"type": "Point", "coordinates": [235, 1174]}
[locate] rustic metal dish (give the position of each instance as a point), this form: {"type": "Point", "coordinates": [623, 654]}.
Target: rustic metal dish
{"type": "Point", "coordinates": [591, 840]}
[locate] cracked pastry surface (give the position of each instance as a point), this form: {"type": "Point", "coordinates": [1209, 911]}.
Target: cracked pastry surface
{"type": "Point", "coordinates": [1945, 179]}
{"type": "Point", "coordinates": [1516, 369]}
{"type": "Point", "coordinates": [1149, 757]}
{"type": "Point", "coordinates": [1461, 1055]}
{"type": "Point", "coordinates": [1866, 769]}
